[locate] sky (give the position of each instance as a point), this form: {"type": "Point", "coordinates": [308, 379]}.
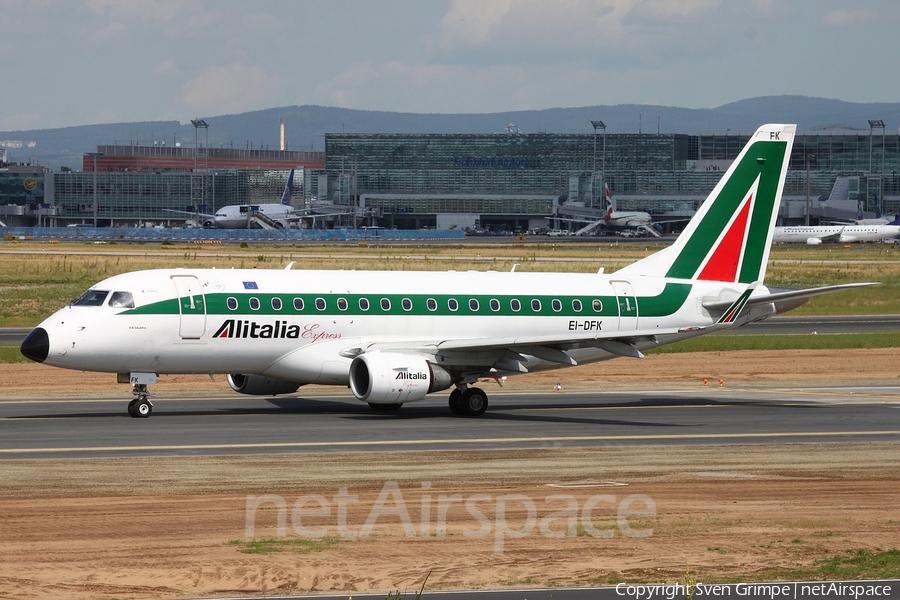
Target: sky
{"type": "Point", "coordinates": [82, 62]}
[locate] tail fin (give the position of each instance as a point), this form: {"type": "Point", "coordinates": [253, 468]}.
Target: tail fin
{"type": "Point", "coordinates": [610, 203]}
{"type": "Point", "coordinates": [730, 236]}
{"type": "Point", "coordinates": [288, 190]}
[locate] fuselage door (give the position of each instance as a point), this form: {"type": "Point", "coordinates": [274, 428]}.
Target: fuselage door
{"type": "Point", "coordinates": [191, 307]}
{"type": "Point", "coordinates": [628, 309]}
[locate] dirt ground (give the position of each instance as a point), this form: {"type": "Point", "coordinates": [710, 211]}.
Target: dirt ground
{"type": "Point", "coordinates": [203, 526]}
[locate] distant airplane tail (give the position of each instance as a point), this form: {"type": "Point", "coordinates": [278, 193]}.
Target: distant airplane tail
{"type": "Point", "coordinates": [288, 190]}
{"type": "Point", "coordinates": [730, 236]}
{"type": "Point", "coordinates": [610, 203]}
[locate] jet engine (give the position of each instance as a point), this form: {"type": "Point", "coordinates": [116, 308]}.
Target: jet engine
{"type": "Point", "coordinates": [813, 241]}
{"type": "Point", "coordinates": [392, 378]}
{"type": "Point", "coordinates": [260, 385]}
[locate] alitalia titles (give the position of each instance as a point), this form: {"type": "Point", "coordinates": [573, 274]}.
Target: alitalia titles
{"type": "Point", "coordinates": [408, 375]}
{"type": "Point", "coordinates": [244, 329]}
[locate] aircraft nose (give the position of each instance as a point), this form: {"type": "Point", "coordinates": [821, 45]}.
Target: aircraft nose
{"type": "Point", "coordinates": [36, 345]}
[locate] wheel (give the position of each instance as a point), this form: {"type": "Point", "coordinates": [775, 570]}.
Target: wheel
{"type": "Point", "coordinates": [455, 395]}
{"type": "Point", "coordinates": [131, 407]}
{"type": "Point", "coordinates": [142, 408]}
{"type": "Point", "coordinates": [473, 402]}
{"type": "Point", "coordinates": [385, 407]}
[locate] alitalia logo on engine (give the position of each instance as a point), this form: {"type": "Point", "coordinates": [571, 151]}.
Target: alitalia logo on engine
{"type": "Point", "coordinates": [237, 328]}
{"type": "Point", "coordinates": [408, 375]}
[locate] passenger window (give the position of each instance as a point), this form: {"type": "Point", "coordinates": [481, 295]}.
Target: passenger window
{"type": "Point", "coordinates": [254, 303]}
{"type": "Point", "coordinates": [597, 306]}
{"type": "Point", "coordinates": [515, 305]}
{"type": "Point", "coordinates": [557, 305]}
{"type": "Point", "coordinates": [121, 300]}
{"type": "Point", "coordinates": [363, 304]}
{"type": "Point", "coordinates": [536, 305]}
{"type": "Point", "coordinates": [473, 305]}
{"type": "Point", "coordinates": [91, 298]}
{"type": "Point", "coordinates": [231, 303]}
{"type": "Point", "coordinates": [576, 305]}
{"type": "Point", "coordinates": [452, 304]}
{"type": "Point", "coordinates": [276, 303]}
{"type": "Point", "coordinates": [342, 304]}
{"type": "Point", "coordinates": [495, 304]}
{"type": "Point", "coordinates": [385, 304]}
{"type": "Point", "coordinates": [431, 303]}
{"type": "Point", "coordinates": [298, 304]}
{"type": "Point", "coordinates": [406, 303]}
{"type": "Point", "coordinates": [320, 303]}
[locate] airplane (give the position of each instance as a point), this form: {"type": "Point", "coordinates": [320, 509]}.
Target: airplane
{"type": "Point", "coordinates": [394, 337]}
{"type": "Point", "coordinates": [836, 234]}
{"type": "Point", "coordinates": [620, 218]}
{"type": "Point", "coordinates": [240, 216]}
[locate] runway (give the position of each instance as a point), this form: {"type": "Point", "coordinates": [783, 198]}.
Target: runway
{"type": "Point", "coordinates": [241, 425]}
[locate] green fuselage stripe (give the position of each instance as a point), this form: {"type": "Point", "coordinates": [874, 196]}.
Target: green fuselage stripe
{"type": "Point", "coordinates": [664, 304]}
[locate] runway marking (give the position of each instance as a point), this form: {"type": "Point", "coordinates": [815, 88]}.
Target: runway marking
{"type": "Point", "coordinates": [431, 442]}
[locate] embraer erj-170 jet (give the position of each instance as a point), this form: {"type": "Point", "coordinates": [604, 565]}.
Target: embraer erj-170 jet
{"type": "Point", "coordinates": [240, 216]}
{"type": "Point", "coordinates": [395, 336]}
{"type": "Point", "coordinates": [837, 234]}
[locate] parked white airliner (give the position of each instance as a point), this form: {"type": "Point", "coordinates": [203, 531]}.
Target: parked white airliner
{"type": "Point", "coordinates": [836, 234]}
{"type": "Point", "coordinates": [240, 216]}
{"type": "Point", "coordinates": [395, 336]}
{"type": "Point", "coordinates": [624, 218]}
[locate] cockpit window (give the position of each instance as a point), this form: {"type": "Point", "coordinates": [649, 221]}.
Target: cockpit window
{"type": "Point", "coordinates": [121, 300]}
{"type": "Point", "coordinates": [91, 298]}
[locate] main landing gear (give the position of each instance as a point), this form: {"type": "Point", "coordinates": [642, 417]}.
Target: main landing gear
{"type": "Point", "coordinates": [468, 401]}
{"type": "Point", "coordinates": [140, 407]}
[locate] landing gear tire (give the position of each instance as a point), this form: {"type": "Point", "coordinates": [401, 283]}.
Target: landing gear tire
{"type": "Point", "coordinates": [455, 408]}
{"type": "Point", "coordinates": [385, 407]}
{"type": "Point", "coordinates": [140, 408]}
{"type": "Point", "coordinates": [473, 402]}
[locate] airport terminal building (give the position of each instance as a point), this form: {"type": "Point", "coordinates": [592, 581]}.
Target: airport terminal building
{"type": "Point", "coordinates": [501, 182]}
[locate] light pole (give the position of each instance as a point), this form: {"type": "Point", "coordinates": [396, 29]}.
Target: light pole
{"type": "Point", "coordinates": [873, 125]}
{"type": "Point", "coordinates": [94, 155]}
{"type": "Point", "coordinates": [598, 125]}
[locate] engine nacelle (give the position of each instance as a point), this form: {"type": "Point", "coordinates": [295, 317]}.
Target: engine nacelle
{"type": "Point", "coordinates": [813, 241]}
{"type": "Point", "coordinates": [392, 378]}
{"type": "Point", "coordinates": [260, 385]}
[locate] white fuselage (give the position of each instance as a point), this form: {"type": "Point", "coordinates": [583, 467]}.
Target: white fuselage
{"type": "Point", "coordinates": [629, 219]}
{"type": "Point", "coordinates": [307, 326]}
{"type": "Point", "coordinates": [835, 233]}
{"type": "Point", "coordinates": [238, 216]}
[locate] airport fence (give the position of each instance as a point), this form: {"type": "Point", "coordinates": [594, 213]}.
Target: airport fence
{"type": "Point", "coordinates": [201, 235]}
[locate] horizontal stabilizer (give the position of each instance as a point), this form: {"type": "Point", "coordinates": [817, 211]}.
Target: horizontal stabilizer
{"type": "Point", "coordinates": [788, 295]}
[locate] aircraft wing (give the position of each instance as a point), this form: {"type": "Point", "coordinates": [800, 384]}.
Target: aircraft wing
{"type": "Point", "coordinates": [507, 354]}
{"type": "Point", "coordinates": [184, 212]}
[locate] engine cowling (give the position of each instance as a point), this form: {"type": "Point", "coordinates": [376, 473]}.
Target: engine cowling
{"type": "Point", "coordinates": [813, 241]}
{"type": "Point", "coordinates": [260, 385]}
{"type": "Point", "coordinates": [393, 378]}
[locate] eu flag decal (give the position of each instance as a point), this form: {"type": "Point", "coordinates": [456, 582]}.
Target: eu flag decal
{"type": "Point", "coordinates": [250, 285]}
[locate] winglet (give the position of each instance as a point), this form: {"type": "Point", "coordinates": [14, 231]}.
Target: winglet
{"type": "Point", "coordinates": [732, 312]}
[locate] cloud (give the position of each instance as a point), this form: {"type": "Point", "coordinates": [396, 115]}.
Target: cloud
{"type": "Point", "coordinates": [400, 86]}
{"type": "Point", "coordinates": [229, 88]}
{"type": "Point", "coordinates": [842, 18]}
{"type": "Point", "coordinates": [166, 67]}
